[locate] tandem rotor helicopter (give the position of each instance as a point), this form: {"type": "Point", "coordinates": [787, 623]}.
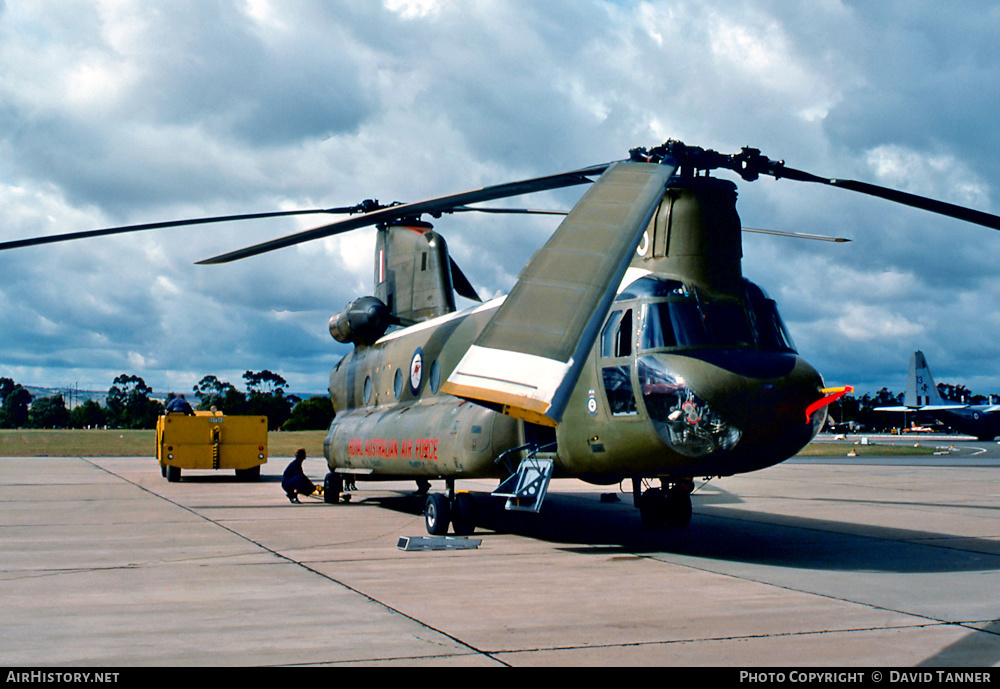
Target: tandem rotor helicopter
{"type": "Point", "coordinates": [630, 348]}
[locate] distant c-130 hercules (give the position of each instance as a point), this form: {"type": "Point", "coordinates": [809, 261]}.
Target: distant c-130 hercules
{"type": "Point", "coordinates": [979, 420]}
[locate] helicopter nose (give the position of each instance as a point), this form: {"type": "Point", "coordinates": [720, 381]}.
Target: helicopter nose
{"type": "Point", "coordinates": [739, 410]}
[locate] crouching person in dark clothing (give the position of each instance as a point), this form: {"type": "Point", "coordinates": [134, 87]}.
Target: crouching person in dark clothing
{"type": "Point", "coordinates": [294, 481]}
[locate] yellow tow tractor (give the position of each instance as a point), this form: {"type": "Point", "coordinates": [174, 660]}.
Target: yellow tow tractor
{"type": "Point", "coordinates": [211, 440]}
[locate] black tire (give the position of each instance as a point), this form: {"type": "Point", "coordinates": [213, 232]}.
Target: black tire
{"type": "Point", "coordinates": [436, 514]}
{"type": "Point", "coordinates": [251, 474]}
{"type": "Point", "coordinates": [173, 474]}
{"type": "Point", "coordinates": [463, 515]}
{"type": "Point", "coordinates": [653, 509]}
{"type": "Point", "coordinates": [678, 507]}
{"type": "Point", "coordinates": [333, 486]}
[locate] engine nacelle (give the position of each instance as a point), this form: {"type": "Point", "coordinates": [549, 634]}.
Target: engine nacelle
{"type": "Point", "coordinates": [362, 322]}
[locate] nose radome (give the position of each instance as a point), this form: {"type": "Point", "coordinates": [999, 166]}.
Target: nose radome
{"type": "Point", "coordinates": [750, 408]}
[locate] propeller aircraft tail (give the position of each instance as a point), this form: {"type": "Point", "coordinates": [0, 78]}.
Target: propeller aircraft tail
{"type": "Point", "coordinates": [920, 387]}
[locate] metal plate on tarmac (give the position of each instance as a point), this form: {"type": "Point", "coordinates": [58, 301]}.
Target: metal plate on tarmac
{"type": "Point", "coordinates": [411, 543]}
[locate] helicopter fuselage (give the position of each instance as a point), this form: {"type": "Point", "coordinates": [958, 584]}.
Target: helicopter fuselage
{"type": "Point", "coordinates": [642, 407]}
{"type": "Point", "coordinates": [685, 371]}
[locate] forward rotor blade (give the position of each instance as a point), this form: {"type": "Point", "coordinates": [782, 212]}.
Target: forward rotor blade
{"type": "Point", "coordinates": [68, 236]}
{"type": "Point", "coordinates": [797, 235]}
{"type": "Point", "coordinates": [907, 199]}
{"type": "Point", "coordinates": [444, 204]}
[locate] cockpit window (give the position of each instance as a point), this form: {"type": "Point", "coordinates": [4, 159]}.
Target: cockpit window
{"type": "Point", "coordinates": [672, 324]}
{"type": "Point", "coordinates": [727, 323]}
{"type": "Point", "coordinates": [676, 316]}
{"type": "Point", "coordinates": [771, 331]}
{"type": "Point", "coordinates": [616, 338]}
{"type": "Point", "coordinates": [649, 286]}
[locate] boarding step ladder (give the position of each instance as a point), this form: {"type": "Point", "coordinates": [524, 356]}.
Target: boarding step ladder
{"type": "Point", "coordinates": [525, 489]}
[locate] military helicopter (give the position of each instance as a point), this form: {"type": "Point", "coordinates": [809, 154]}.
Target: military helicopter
{"type": "Point", "coordinates": [630, 348]}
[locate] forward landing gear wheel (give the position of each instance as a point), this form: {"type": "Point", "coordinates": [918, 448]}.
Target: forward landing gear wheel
{"type": "Point", "coordinates": [672, 508]}
{"type": "Point", "coordinates": [436, 514]}
{"type": "Point", "coordinates": [653, 509]}
{"type": "Point", "coordinates": [678, 501]}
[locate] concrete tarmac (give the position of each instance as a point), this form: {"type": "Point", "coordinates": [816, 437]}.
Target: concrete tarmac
{"type": "Point", "coordinates": [819, 563]}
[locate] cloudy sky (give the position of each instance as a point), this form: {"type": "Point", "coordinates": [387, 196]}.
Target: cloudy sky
{"type": "Point", "coordinates": [125, 111]}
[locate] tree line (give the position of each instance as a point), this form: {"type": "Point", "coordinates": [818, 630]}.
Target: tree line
{"type": "Point", "coordinates": [130, 404]}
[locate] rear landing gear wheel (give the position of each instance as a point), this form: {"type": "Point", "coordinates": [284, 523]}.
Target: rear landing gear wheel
{"type": "Point", "coordinates": [333, 485]}
{"type": "Point", "coordinates": [463, 518]}
{"type": "Point", "coordinates": [437, 514]}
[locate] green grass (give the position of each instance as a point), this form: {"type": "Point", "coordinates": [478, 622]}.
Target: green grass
{"type": "Point", "coordinates": [841, 448]}
{"type": "Point", "coordinates": [122, 443]}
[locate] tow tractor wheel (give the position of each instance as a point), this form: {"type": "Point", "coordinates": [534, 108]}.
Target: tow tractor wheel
{"type": "Point", "coordinates": [333, 485]}
{"type": "Point", "coordinates": [251, 474]}
{"type": "Point", "coordinates": [437, 514]}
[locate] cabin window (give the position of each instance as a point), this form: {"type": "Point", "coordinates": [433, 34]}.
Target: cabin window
{"type": "Point", "coordinates": [397, 383]}
{"type": "Point", "coordinates": [367, 394]}
{"type": "Point", "coordinates": [435, 378]}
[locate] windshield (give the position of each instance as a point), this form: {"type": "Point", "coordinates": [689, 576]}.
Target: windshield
{"type": "Point", "coordinates": [687, 318]}
{"type": "Point", "coordinates": [771, 331]}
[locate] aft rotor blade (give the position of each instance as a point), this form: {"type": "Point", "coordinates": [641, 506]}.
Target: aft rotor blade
{"type": "Point", "coordinates": [461, 283]}
{"type": "Point", "coordinates": [907, 199]}
{"type": "Point", "coordinates": [444, 204]}
{"type": "Point", "coordinates": [514, 211]}
{"type": "Point", "coordinates": [68, 236]}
